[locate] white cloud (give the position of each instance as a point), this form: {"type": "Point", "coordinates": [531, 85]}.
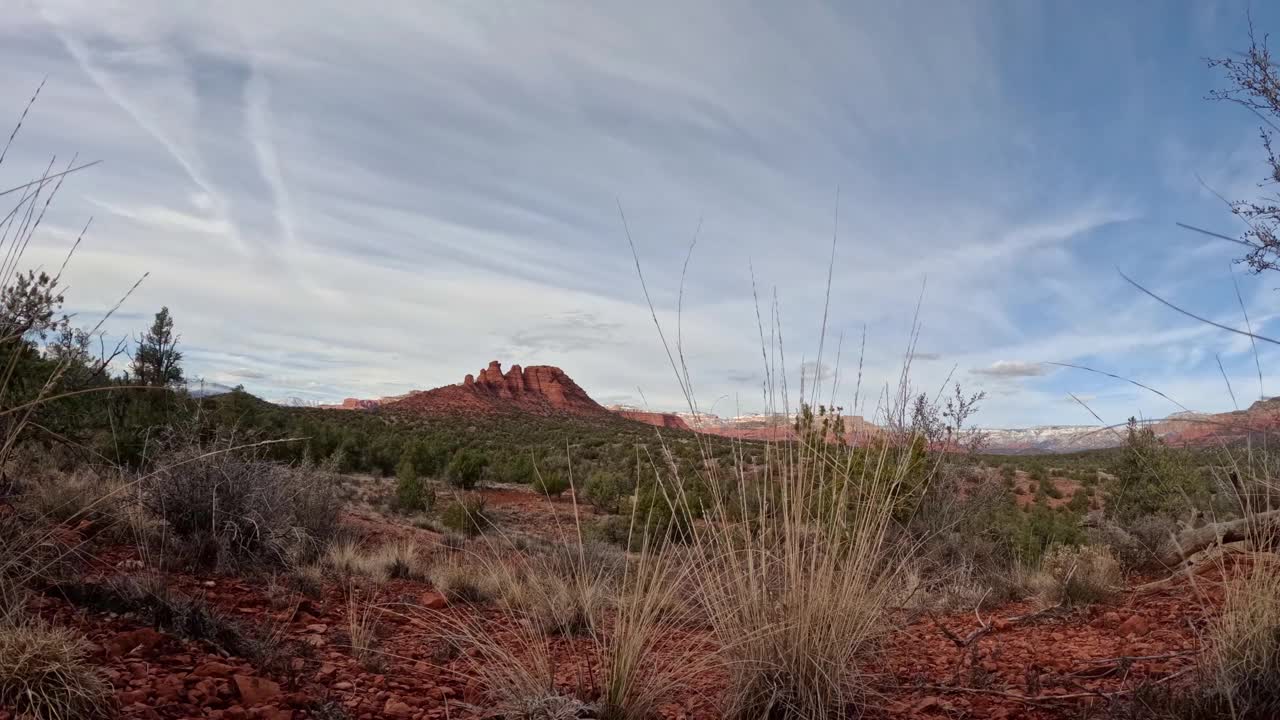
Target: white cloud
{"type": "Point", "coordinates": [345, 202]}
{"type": "Point", "coordinates": [1011, 369]}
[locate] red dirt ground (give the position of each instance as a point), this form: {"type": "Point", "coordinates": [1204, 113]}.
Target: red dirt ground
{"type": "Point", "coordinates": [1013, 671]}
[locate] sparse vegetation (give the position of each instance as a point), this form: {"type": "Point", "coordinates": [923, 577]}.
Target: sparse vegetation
{"type": "Point", "coordinates": [46, 674]}
{"type": "Point", "coordinates": [466, 514]}
{"type": "Point", "coordinates": [1079, 575]}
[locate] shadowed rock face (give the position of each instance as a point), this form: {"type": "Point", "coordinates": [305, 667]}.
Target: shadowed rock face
{"type": "Point", "coordinates": [538, 389]}
{"type": "Point", "coordinates": [663, 420]}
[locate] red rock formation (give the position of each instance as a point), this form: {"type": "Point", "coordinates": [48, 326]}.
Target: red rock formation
{"type": "Point", "coordinates": [662, 420]}
{"type": "Point", "coordinates": [538, 389]}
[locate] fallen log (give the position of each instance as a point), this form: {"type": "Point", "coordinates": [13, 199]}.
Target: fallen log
{"type": "Point", "coordinates": [1259, 526]}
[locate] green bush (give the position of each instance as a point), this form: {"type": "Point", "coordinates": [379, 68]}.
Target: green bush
{"type": "Point", "coordinates": [605, 491]}
{"type": "Point", "coordinates": [1048, 487]}
{"type": "Point", "coordinates": [466, 515]}
{"type": "Point", "coordinates": [517, 469]}
{"type": "Point", "coordinates": [412, 493]}
{"type": "Point", "coordinates": [551, 483]}
{"type": "Point", "coordinates": [466, 468]}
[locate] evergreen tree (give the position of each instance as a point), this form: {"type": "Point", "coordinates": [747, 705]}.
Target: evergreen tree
{"type": "Point", "coordinates": [156, 361]}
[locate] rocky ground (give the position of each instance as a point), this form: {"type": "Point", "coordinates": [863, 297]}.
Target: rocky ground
{"type": "Point", "coordinates": [1016, 661]}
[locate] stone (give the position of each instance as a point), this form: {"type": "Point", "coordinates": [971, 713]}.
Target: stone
{"type": "Point", "coordinates": [397, 708]}
{"type": "Point", "coordinates": [143, 639]}
{"type": "Point", "coordinates": [1135, 625]}
{"type": "Point", "coordinates": [256, 690]}
{"type": "Point", "coordinates": [213, 669]}
{"type": "Point", "coordinates": [433, 600]}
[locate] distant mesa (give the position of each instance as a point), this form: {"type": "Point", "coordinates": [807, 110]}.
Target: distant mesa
{"type": "Point", "coordinates": [657, 419]}
{"type": "Point", "coordinates": [545, 390]}
{"type": "Point", "coordinates": [538, 389]}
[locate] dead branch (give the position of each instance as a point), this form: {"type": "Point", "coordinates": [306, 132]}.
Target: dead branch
{"type": "Point", "coordinates": [1190, 542]}
{"type": "Point", "coordinates": [985, 628]}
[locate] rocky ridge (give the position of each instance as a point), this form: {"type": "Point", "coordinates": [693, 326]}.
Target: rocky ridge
{"type": "Point", "coordinates": [538, 389]}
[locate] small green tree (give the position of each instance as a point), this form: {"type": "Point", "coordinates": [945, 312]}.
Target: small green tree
{"type": "Point", "coordinates": [466, 468]}
{"type": "Point", "coordinates": [412, 495]}
{"type": "Point", "coordinates": [156, 360]}
{"type": "Point", "coordinates": [606, 491]}
{"type": "Point", "coordinates": [1150, 478]}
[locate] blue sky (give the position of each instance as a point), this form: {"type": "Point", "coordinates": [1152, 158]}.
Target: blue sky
{"type": "Point", "coordinates": [336, 201]}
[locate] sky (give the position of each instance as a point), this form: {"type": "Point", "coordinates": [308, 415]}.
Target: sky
{"type": "Point", "coordinates": [343, 200]}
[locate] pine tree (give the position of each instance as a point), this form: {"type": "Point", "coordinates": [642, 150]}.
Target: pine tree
{"type": "Point", "coordinates": [156, 362]}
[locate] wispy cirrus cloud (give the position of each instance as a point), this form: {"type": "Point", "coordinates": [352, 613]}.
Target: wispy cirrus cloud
{"type": "Point", "coordinates": [1012, 369]}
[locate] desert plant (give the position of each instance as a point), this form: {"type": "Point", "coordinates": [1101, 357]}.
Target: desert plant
{"type": "Point", "coordinates": [307, 580]}
{"type": "Point", "coordinates": [796, 594]}
{"type": "Point", "coordinates": [45, 673]}
{"type": "Point", "coordinates": [551, 483]}
{"type": "Point", "coordinates": [466, 514]}
{"type": "Point", "coordinates": [463, 580]}
{"type": "Point", "coordinates": [1079, 575]}
{"type": "Point", "coordinates": [605, 491]}
{"type": "Point", "coordinates": [413, 493]}
{"type": "Point", "coordinates": [233, 504]}
{"type": "Point", "coordinates": [466, 468]}
{"type": "Point", "coordinates": [363, 620]}
{"type": "Point", "coordinates": [349, 560]}
{"type": "Point", "coordinates": [1241, 669]}
{"type": "Point", "coordinates": [401, 559]}
{"type": "Point", "coordinates": [1139, 545]}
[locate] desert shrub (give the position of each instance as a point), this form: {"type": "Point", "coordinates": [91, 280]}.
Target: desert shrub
{"type": "Point", "coordinates": [661, 512]}
{"type": "Point", "coordinates": [401, 559]}
{"type": "Point", "coordinates": [45, 673]}
{"type": "Point", "coordinates": [1079, 502]}
{"type": "Point", "coordinates": [1241, 670]}
{"type": "Point", "coordinates": [462, 580]}
{"type": "Point", "coordinates": [1152, 479]}
{"type": "Point", "coordinates": [307, 580]}
{"type": "Point", "coordinates": [615, 530]}
{"type": "Point", "coordinates": [466, 468]}
{"type": "Point", "coordinates": [606, 491]}
{"type": "Point", "coordinates": [1047, 487]}
{"type": "Point", "coordinates": [516, 469]}
{"type": "Point", "coordinates": [364, 618]}
{"type": "Point", "coordinates": [348, 559]}
{"type": "Point", "coordinates": [234, 505]}
{"type": "Point", "coordinates": [557, 602]}
{"type": "Point", "coordinates": [551, 483]}
{"type": "Point", "coordinates": [1079, 575]}
{"type": "Point", "coordinates": [74, 496]}
{"type": "Point", "coordinates": [797, 597]}
{"type": "Point", "coordinates": [466, 514]}
{"type": "Point", "coordinates": [1033, 532]}
{"type": "Point", "coordinates": [413, 494]}
{"type": "Point", "coordinates": [1140, 545]}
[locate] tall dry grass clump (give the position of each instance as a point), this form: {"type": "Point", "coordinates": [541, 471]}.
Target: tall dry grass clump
{"type": "Point", "coordinates": [798, 560]}
{"type": "Point", "coordinates": [45, 673]}
{"type": "Point", "coordinates": [572, 611]}
{"type": "Point", "coordinates": [796, 593]}
{"type": "Point", "coordinates": [1242, 659]}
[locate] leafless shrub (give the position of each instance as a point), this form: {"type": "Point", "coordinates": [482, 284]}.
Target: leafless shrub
{"type": "Point", "coordinates": [233, 505]}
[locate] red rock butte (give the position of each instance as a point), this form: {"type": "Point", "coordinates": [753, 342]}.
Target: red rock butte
{"type": "Point", "coordinates": [537, 389]}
